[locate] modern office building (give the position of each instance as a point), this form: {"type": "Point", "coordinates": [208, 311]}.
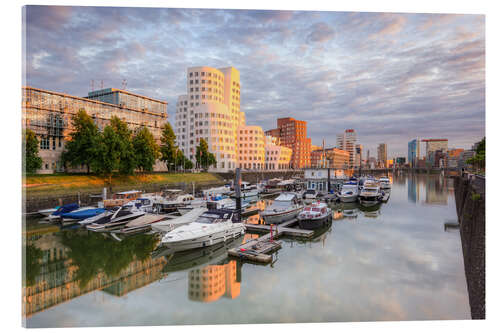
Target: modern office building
{"type": "Point", "coordinates": [330, 158]}
{"type": "Point", "coordinates": [210, 110]}
{"type": "Point", "coordinates": [400, 161]}
{"type": "Point", "coordinates": [277, 157]}
{"type": "Point", "coordinates": [251, 147]}
{"type": "Point", "coordinates": [49, 115]}
{"type": "Point", "coordinates": [432, 145]}
{"type": "Point", "coordinates": [347, 141]}
{"type": "Point", "coordinates": [413, 152]}
{"type": "Point", "coordinates": [382, 155]}
{"type": "Point", "coordinates": [293, 134]}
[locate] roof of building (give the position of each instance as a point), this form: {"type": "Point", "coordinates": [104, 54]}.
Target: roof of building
{"type": "Point", "coordinates": [90, 100]}
{"type": "Point", "coordinates": [113, 90]}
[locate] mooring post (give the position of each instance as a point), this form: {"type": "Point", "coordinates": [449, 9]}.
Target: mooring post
{"type": "Point", "coordinates": [329, 186]}
{"type": "Point", "coordinates": [237, 192]}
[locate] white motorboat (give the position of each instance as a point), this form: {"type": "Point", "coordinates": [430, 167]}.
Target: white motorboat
{"type": "Point", "coordinates": [349, 192]}
{"type": "Point", "coordinates": [370, 193]}
{"type": "Point", "coordinates": [214, 191]}
{"type": "Point", "coordinates": [314, 216]}
{"type": "Point", "coordinates": [210, 228]}
{"type": "Point", "coordinates": [310, 194]}
{"type": "Point", "coordinates": [120, 217]}
{"type": "Point", "coordinates": [224, 203]}
{"type": "Point", "coordinates": [48, 212]}
{"type": "Point", "coordinates": [247, 190]}
{"type": "Point", "coordinates": [172, 203]}
{"type": "Point", "coordinates": [170, 224]}
{"type": "Point", "coordinates": [284, 208]}
{"type": "Point", "coordinates": [385, 183]}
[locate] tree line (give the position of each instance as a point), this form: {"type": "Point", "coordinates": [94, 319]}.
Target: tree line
{"type": "Point", "coordinates": [116, 149]}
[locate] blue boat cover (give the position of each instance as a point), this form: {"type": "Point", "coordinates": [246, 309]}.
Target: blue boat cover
{"type": "Point", "coordinates": [66, 209]}
{"type": "Point", "coordinates": [83, 214]}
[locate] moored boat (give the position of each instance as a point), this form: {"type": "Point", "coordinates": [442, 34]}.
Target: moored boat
{"type": "Point", "coordinates": [210, 228]}
{"type": "Point", "coordinates": [385, 183]}
{"type": "Point", "coordinates": [349, 192]}
{"type": "Point", "coordinates": [370, 193]}
{"type": "Point", "coordinates": [314, 216]}
{"type": "Point", "coordinates": [284, 208]}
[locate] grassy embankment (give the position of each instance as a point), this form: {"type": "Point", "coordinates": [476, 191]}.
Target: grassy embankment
{"type": "Point", "coordinates": [65, 184]}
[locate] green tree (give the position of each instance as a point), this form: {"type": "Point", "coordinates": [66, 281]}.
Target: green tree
{"type": "Point", "coordinates": [479, 160]}
{"type": "Point", "coordinates": [108, 151]}
{"type": "Point", "coordinates": [30, 159]}
{"type": "Point", "coordinates": [204, 158]}
{"type": "Point", "coordinates": [182, 161]}
{"type": "Point", "coordinates": [81, 146]}
{"type": "Point", "coordinates": [168, 149]}
{"type": "Point", "coordinates": [127, 161]}
{"type": "Point", "coordinates": [145, 149]}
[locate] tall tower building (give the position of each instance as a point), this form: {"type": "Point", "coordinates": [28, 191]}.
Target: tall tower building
{"type": "Point", "coordinates": [382, 155]}
{"type": "Point", "coordinates": [413, 152]}
{"type": "Point", "coordinates": [347, 141]}
{"type": "Point", "coordinates": [210, 110]}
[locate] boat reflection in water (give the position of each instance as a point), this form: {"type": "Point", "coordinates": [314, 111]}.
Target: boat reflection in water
{"type": "Point", "coordinates": [211, 274]}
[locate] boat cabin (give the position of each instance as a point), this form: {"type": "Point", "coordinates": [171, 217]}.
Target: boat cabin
{"type": "Point", "coordinates": [121, 198]}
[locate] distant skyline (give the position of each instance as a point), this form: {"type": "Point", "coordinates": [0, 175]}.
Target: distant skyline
{"type": "Point", "coordinates": [391, 77]}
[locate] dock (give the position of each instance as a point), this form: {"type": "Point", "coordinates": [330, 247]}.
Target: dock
{"type": "Point", "coordinates": [260, 249]}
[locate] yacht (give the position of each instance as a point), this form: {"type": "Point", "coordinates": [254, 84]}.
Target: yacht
{"type": "Point", "coordinates": [314, 216]}
{"type": "Point", "coordinates": [349, 192]}
{"type": "Point", "coordinates": [210, 228]}
{"type": "Point", "coordinates": [247, 190]}
{"type": "Point", "coordinates": [285, 207]}
{"type": "Point", "coordinates": [221, 190]}
{"type": "Point", "coordinates": [385, 183]}
{"type": "Point", "coordinates": [143, 222]}
{"type": "Point", "coordinates": [172, 202]}
{"type": "Point", "coordinates": [120, 217]}
{"type": "Point", "coordinates": [310, 194]}
{"type": "Point", "coordinates": [370, 193]}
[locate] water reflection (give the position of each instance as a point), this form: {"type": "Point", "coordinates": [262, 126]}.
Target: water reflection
{"type": "Point", "coordinates": [62, 265]}
{"type": "Point", "coordinates": [436, 189]}
{"type": "Point", "coordinates": [391, 261]}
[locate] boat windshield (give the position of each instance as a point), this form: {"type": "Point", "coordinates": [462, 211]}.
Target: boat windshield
{"type": "Point", "coordinates": [310, 192]}
{"type": "Point", "coordinates": [316, 210]}
{"type": "Point", "coordinates": [210, 218]}
{"type": "Point", "coordinates": [370, 190]}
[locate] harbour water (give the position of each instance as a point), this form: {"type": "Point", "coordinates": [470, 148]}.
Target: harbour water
{"type": "Point", "coordinates": [394, 261]}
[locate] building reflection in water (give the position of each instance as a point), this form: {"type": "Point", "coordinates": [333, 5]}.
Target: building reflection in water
{"type": "Point", "coordinates": [209, 283]}
{"type": "Point", "coordinates": [56, 281]}
{"type": "Point", "coordinates": [435, 187]}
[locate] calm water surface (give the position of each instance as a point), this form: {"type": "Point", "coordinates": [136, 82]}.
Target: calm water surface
{"type": "Point", "coordinates": [395, 261]}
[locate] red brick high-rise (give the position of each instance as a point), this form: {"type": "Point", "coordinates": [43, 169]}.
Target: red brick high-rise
{"type": "Point", "coordinates": [293, 134]}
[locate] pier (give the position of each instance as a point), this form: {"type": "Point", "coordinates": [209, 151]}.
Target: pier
{"type": "Point", "coordinates": [260, 249]}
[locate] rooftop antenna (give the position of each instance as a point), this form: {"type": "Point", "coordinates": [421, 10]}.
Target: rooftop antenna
{"type": "Point", "coordinates": [124, 84]}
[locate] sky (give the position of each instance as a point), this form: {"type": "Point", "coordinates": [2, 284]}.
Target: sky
{"type": "Point", "coordinates": [392, 77]}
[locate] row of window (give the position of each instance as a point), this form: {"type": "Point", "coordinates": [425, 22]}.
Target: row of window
{"type": "Point", "coordinates": [208, 82]}
{"type": "Point", "coordinates": [45, 142]}
{"type": "Point", "coordinates": [209, 74]}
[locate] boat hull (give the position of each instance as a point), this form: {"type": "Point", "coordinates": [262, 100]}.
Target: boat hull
{"type": "Point", "coordinates": [207, 240]}
{"type": "Point", "coordinates": [315, 223]}
{"type": "Point", "coordinates": [348, 198]}
{"type": "Point", "coordinates": [277, 218]}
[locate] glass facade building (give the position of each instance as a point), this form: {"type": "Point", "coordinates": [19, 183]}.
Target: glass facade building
{"type": "Point", "coordinates": [49, 115]}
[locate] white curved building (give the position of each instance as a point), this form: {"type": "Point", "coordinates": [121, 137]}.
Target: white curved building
{"type": "Point", "coordinates": [210, 110]}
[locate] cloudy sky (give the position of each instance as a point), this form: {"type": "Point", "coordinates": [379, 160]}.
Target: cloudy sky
{"type": "Point", "coordinates": [391, 77]}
